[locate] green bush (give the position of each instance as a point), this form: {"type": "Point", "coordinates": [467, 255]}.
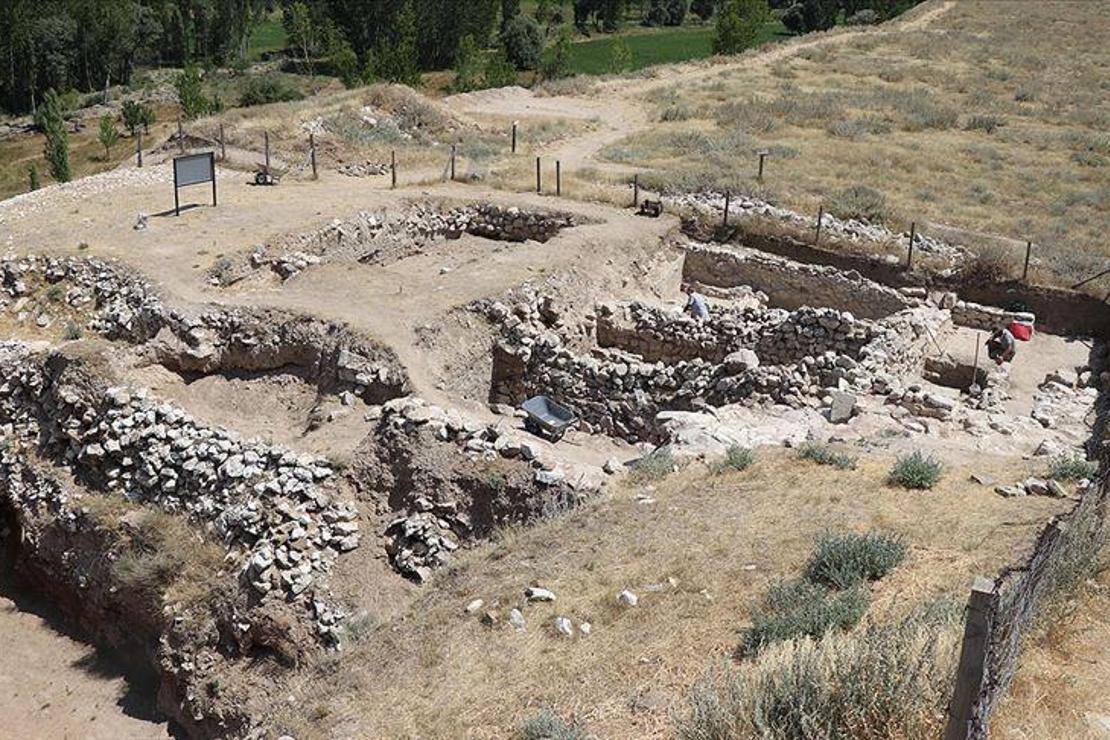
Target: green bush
{"type": "Point", "coordinates": [652, 467]}
{"type": "Point", "coordinates": [267, 89]}
{"type": "Point", "coordinates": [845, 560]}
{"type": "Point", "coordinates": [73, 331]}
{"type": "Point", "coordinates": [523, 42]}
{"type": "Point", "coordinates": [825, 455]}
{"type": "Point", "coordinates": [916, 471]}
{"type": "Point", "coordinates": [859, 202]}
{"type": "Point", "coordinates": [736, 458]}
{"type": "Point", "coordinates": [794, 609]}
{"type": "Point", "coordinates": [887, 682]}
{"type": "Point", "coordinates": [547, 725]}
{"type": "Point", "coordinates": [1072, 468]}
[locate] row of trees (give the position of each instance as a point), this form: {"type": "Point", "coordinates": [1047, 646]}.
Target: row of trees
{"type": "Point", "coordinates": [89, 44]}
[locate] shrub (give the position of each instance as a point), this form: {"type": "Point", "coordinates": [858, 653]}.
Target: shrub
{"type": "Point", "coordinates": [844, 560]}
{"type": "Point", "coordinates": [556, 62]}
{"type": "Point", "coordinates": [885, 682]}
{"type": "Point", "coordinates": [108, 136]}
{"type": "Point", "coordinates": [137, 114]}
{"type": "Point", "coordinates": [652, 467]}
{"type": "Point", "coordinates": [850, 129]}
{"type": "Point", "coordinates": [916, 471]}
{"type": "Point", "coordinates": [992, 264]}
{"type": "Point", "coordinates": [55, 293]}
{"type": "Point", "coordinates": [523, 42]}
{"type": "Point", "coordinates": [858, 202]}
{"type": "Point", "coordinates": [1072, 468]}
{"type": "Point", "coordinates": [825, 455]}
{"type": "Point", "coordinates": [794, 609]}
{"type": "Point", "coordinates": [984, 122]}
{"type": "Point", "coordinates": [190, 93]}
{"type": "Point", "coordinates": [499, 71]}
{"type": "Point", "coordinates": [34, 181]}
{"type": "Point", "coordinates": [267, 89]}
{"type": "Point", "coordinates": [547, 725]}
{"type": "Point", "coordinates": [73, 332]}
{"type": "Point", "coordinates": [736, 458]}
{"type": "Point", "coordinates": [51, 121]}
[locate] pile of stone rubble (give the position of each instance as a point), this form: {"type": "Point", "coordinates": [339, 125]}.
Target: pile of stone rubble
{"type": "Point", "coordinates": [375, 238]}
{"type": "Point", "coordinates": [851, 230]}
{"type": "Point", "coordinates": [273, 509]}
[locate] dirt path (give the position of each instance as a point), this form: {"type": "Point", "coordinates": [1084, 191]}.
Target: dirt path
{"type": "Point", "coordinates": [620, 108]}
{"type": "Point", "coordinates": [53, 687]}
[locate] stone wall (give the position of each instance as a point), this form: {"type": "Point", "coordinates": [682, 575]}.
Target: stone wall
{"type": "Point", "coordinates": [275, 510]}
{"type": "Point", "coordinates": [379, 239]}
{"type": "Point", "coordinates": [791, 285]}
{"type": "Point", "coordinates": [976, 316]}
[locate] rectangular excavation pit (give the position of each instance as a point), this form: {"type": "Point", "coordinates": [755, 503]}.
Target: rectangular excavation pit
{"type": "Point", "coordinates": [791, 285]}
{"type": "Point", "coordinates": [952, 373]}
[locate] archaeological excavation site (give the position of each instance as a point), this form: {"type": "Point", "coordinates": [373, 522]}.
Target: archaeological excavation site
{"type": "Point", "coordinates": [445, 421]}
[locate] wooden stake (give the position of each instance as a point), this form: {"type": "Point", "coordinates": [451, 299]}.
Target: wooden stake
{"type": "Point", "coordinates": [139, 146]}
{"type": "Point", "coordinates": [558, 178]}
{"type": "Point", "coordinates": [973, 654]}
{"type": "Point", "coordinates": [728, 198]}
{"type": "Point", "coordinates": [820, 218]}
{"type": "Point", "coordinates": [762, 156]}
{"type": "Point", "coordinates": [539, 181]}
{"type": "Point", "coordinates": [393, 169]}
{"type": "Point", "coordinates": [1028, 254]}
{"type": "Point", "coordinates": [636, 190]}
{"type": "Point", "coordinates": [514, 136]}
{"type": "Point", "coordinates": [975, 368]}
{"type": "Point", "coordinates": [223, 145]}
{"type": "Point", "coordinates": [312, 154]}
{"type": "Point", "coordinates": [909, 254]}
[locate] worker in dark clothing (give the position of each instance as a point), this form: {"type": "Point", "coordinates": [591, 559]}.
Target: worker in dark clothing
{"type": "Point", "coordinates": [1001, 347]}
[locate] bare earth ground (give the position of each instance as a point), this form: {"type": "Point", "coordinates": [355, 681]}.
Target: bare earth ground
{"type": "Point", "coordinates": [432, 671]}
{"type": "Point", "coordinates": [54, 687]}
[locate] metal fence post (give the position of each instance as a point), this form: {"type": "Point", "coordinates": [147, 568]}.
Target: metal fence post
{"type": "Point", "coordinates": [453, 151]}
{"type": "Point", "coordinates": [515, 123]}
{"type": "Point", "coordinates": [636, 190]}
{"type": "Point", "coordinates": [393, 169]}
{"type": "Point", "coordinates": [973, 653]}
{"type": "Point", "coordinates": [820, 218]}
{"type": "Point", "coordinates": [1028, 254]}
{"type": "Point", "coordinates": [223, 145]}
{"type": "Point", "coordinates": [762, 156]}
{"type": "Point", "coordinates": [539, 182]}
{"type": "Point", "coordinates": [724, 216]}
{"type": "Point", "coordinates": [558, 178]}
{"type": "Point", "coordinates": [139, 146]}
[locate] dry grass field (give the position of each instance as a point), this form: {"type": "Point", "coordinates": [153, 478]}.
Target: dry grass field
{"type": "Point", "coordinates": [993, 117]}
{"type": "Point", "coordinates": [699, 556]}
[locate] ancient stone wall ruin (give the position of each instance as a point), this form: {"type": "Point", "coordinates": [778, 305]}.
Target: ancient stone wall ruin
{"type": "Point", "coordinates": [791, 285]}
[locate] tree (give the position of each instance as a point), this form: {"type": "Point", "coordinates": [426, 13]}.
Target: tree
{"type": "Point", "coordinates": [301, 31]}
{"type": "Point", "coordinates": [344, 62]}
{"type": "Point", "coordinates": [397, 60]}
{"type": "Point", "coordinates": [543, 11]}
{"type": "Point", "coordinates": [676, 12]}
{"type": "Point", "coordinates": [51, 122]}
{"type": "Point", "coordinates": [739, 25]}
{"type": "Point", "coordinates": [703, 9]}
{"type": "Point", "coordinates": [136, 114]}
{"type": "Point", "coordinates": [621, 58]}
{"type": "Point", "coordinates": [108, 135]}
{"type": "Point", "coordinates": [510, 9]}
{"type": "Point", "coordinates": [500, 72]}
{"type": "Point", "coordinates": [468, 66]}
{"type": "Point", "coordinates": [657, 14]}
{"type": "Point", "coordinates": [523, 42]}
{"type": "Point", "coordinates": [557, 62]}
{"type": "Point", "coordinates": [190, 92]}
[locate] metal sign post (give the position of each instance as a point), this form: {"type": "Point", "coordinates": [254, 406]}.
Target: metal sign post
{"type": "Point", "coordinates": [193, 169]}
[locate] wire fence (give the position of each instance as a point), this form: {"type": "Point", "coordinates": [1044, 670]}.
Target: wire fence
{"type": "Point", "coordinates": [1001, 614]}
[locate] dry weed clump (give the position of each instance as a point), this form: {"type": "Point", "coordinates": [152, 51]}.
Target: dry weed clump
{"type": "Point", "coordinates": [547, 725]}
{"type": "Point", "coordinates": [654, 466]}
{"type": "Point", "coordinates": [736, 459]}
{"type": "Point", "coordinates": [825, 455]}
{"type": "Point", "coordinates": [1065, 468]}
{"type": "Point", "coordinates": [859, 202]}
{"type": "Point", "coordinates": [886, 681]}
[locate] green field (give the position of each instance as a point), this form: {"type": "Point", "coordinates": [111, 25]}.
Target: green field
{"type": "Point", "coordinates": [656, 46]}
{"type": "Point", "coordinates": [267, 36]}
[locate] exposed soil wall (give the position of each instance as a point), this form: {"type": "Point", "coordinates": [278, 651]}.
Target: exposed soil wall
{"type": "Point", "coordinates": [792, 286]}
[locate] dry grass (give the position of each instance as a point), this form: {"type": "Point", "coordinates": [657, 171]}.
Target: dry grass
{"type": "Point", "coordinates": [1060, 688]}
{"type": "Point", "coordinates": [954, 123]}
{"type": "Point", "coordinates": [698, 558]}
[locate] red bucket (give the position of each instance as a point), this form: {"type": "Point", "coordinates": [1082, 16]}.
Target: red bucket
{"type": "Point", "coordinates": [1022, 326]}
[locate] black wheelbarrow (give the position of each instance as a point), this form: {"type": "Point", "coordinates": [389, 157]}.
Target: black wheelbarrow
{"type": "Point", "coordinates": [547, 419]}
